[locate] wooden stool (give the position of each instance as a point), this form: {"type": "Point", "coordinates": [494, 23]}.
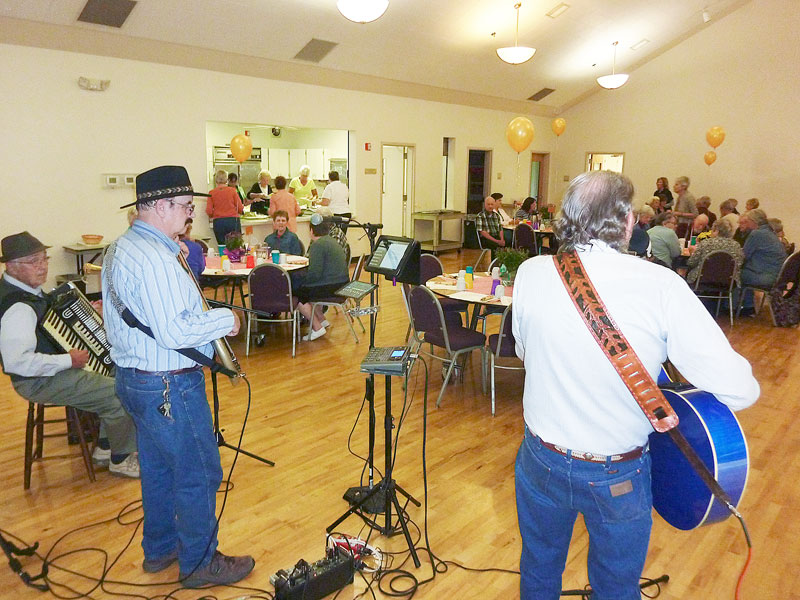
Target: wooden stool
{"type": "Point", "coordinates": [35, 425]}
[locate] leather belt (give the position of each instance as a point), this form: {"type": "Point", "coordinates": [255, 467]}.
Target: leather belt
{"type": "Point", "coordinates": [590, 456]}
{"type": "Point", "coordinates": [176, 372]}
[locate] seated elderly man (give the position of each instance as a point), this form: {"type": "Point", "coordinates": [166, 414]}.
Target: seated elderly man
{"type": "Point", "coordinates": [664, 242]}
{"type": "Point", "coordinates": [42, 372]}
{"type": "Point", "coordinates": [763, 254]}
{"type": "Point", "coordinates": [327, 272]}
{"type": "Point", "coordinates": [699, 225]}
{"type": "Point", "coordinates": [281, 239]}
{"type": "Point", "coordinates": [489, 226]}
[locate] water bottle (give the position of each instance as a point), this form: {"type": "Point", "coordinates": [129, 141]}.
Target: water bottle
{"type": "Point", "coordinates": [461, 283]}
{"type": "Point", "coordinates": [212, 251]}
{"type": "Point", "coordinates": [469, 278]}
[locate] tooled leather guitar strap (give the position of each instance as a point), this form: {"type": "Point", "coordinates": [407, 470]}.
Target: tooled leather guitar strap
{"type": "Point", "coordinates": [627, 364]}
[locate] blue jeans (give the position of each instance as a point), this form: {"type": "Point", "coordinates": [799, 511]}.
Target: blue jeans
{"type": "Point", "coordinates": [224, 225]}
{"type": "Point", "coordinates": [179, 464]}
{"type": "Point", "coordinates": [615, 500]}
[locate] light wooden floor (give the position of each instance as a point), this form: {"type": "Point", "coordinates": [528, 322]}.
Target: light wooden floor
{"type": "Point", "coordinates": [301, 414]}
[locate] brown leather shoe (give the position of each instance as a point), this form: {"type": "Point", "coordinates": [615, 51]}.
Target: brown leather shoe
{"type": "Point", "coordinates": [222, 570]}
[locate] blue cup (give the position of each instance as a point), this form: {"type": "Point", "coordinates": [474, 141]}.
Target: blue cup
{"type": "Point", "coordinates": [276, 257]}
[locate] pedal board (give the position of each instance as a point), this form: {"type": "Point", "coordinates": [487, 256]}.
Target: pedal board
{"type": "Point", "coordinates": [314, 581]}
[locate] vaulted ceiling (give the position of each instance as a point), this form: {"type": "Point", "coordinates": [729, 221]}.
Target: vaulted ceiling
{"type": "Point", "coordinates": [440, 49]}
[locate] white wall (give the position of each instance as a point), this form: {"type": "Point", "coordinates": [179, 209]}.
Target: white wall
{"type": "Point", "coordinates": [62, 138]}
{"type": "Point", "coordinates": [742, 73]}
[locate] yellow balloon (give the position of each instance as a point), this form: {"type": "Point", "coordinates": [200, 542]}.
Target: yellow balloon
{"type": "Point", "coordinates": [710, 157]}
{"type": "Point", "coordinates": [519, 133]}
{"type": "Point", "coordinates": [558, 125]}
{"type": "Point", "coordinates": [715, 136]}
{"type": "Point", "coordinates": [241, 147]}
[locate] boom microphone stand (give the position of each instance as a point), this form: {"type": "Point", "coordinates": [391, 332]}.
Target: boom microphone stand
{"type": "Point", "coordinates": [376, 499]}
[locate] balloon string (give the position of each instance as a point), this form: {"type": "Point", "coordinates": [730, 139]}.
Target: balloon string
{"type": "Point", "coordinates": [517, 183]}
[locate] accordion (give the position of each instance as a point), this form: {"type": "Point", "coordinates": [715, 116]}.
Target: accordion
{"type": "Point", "coordinates": [73, 323]}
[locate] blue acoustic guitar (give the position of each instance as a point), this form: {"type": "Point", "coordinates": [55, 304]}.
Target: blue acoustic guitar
{"type": "Point", "coordinates": [679, 495]}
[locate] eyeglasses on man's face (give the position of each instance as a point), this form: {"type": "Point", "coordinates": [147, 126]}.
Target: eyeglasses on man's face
{"type": "Point", "coordinates": [189, 208]}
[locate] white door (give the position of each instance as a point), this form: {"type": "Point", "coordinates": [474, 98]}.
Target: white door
{"type": "Point", "coordinates": [397, 202]}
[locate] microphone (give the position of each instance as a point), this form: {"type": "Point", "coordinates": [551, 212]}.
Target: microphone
{"type": "Point", "coordinates": [316, 219]}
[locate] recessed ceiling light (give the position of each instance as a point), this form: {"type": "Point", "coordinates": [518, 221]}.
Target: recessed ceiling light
{"type": "Point", "coordinates": [639, 44]}
{"type": "Point", "coordinates": [557, 11]}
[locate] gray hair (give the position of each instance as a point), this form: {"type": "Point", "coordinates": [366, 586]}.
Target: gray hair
{"type": "Point", "coordinates": [221, 177]}
{"type": "Point", "coordinates": [723, 227]}
{"type": "Point", "coordinates": [775, 224]}
{"type": "Point", "coordinates": [264, 174]}
{"type": "Point", "coordinates": [757, 216]}
{"type": "Point", "coordinates": [305, 171]}
{"type": "Point", "coordinates": [645, 210]}
{"type": "Point", "coordinates": [727, 205]}
{"type": "Point", "coordinates": [704, 201]}
{"type": "Point", "coordinates": [662, 218]}
{"type": "Point", "coordinates": [683, 180]}
{"type": "Point", "coordinates": [596, 206]}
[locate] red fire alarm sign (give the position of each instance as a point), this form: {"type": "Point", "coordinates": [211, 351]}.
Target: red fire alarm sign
{"type": "Point", "coordinates": [367, 146]}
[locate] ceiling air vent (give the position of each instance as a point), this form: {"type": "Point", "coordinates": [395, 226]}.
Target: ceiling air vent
{"type": "Point", "coordinates": [111, 13]}
{"type": "Point", "coordinates": [315, 50]}
{"type": "Point", "coordinates": [541, 94]}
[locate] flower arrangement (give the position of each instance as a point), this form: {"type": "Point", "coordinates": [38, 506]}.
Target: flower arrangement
{"type": "Point", "coordinates": [234, 246]}
{"type": "Point", "coordinates": [511, 259]}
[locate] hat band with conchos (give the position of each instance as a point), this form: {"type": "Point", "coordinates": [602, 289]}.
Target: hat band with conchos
{"type": "Point", "coordinates": [163, 182]}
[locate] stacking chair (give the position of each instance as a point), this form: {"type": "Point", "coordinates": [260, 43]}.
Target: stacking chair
{"type": "Point", "coordinates": [716, 280]}
{"type": "Point", "coordinates": [483, 251]}
{"type": "Point", "coordinates": [270, 293]}
{"type": "Point", "coordinates": [429, 267]}
{"type": "Point", "coordinates": [429, 327]}
{"type": "Point", "coordinates": [784, 300]}
{"type": "Point", "coordinates": [502, 345]}
{"type": "Point", "coordinates": [524, 239]}
{"type": "Point", "coordinates": [356, 304]}
{"type": "Point", "coordinates": [788, 272]}
{"type": "Point", "coordinates": [480, 312]}
{"type": "Point", "coordinates": [35, 435]}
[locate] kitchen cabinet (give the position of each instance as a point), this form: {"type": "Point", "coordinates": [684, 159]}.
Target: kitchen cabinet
{"type": "Point", "coordinates": [315, 160]}
{"type": "Point", "coordinates": [279, 162]}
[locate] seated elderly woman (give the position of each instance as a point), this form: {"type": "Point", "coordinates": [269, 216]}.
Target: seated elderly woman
{"type": "Point", "coordinates": [327, 272]}
{"type": "Point", "coordinates": [777, 226]}
{"type": "Point", "coordinates": [664, 242]}
{"type": "Point", "coordinates": [281, 239]}
{"type": "Point", "coordinates": [720, 240]}
{"type": "Point", "coordinates": [644, 217]}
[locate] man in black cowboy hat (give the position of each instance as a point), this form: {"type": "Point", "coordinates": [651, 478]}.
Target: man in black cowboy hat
{"type": "Point", "coordinates": [42, 372]}
{"type": "Point", "coordinates": [163, 389]}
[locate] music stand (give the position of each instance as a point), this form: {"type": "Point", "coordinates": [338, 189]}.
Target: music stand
{"type": "Point", "coordinates": [398, 260]}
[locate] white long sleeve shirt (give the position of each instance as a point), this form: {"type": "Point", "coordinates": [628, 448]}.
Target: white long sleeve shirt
{"type": "Point", "coordinates": [18, 340]}
{"type": "Point", "coordinates": [573, 396]}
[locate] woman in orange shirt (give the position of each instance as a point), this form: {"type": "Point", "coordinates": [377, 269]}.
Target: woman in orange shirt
{"type": "Point", "coordinates": [283, 200]}
{"type": "Point", "coordinates": [224, 207]}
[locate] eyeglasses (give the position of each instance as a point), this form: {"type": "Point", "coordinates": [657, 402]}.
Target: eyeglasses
{"type": "Point", "coordinates": [42, 260]}
{"type": "Point", "coordinates": [189, 208]}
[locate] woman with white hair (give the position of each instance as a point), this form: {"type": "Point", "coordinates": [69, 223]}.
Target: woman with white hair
{"type": "Point", "coordinates": [303, 187]}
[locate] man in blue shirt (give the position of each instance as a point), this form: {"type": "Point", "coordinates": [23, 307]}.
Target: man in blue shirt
{"type": "Point", "coordinates": [163, 390]}
{"type": "Point", "coordinates": [763, 255]}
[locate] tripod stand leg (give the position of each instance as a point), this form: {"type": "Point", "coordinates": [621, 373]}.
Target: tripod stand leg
{"type": "Point", "coordinates": [403, 524]}
{"type": "Point", "coordinates": [218, 432]}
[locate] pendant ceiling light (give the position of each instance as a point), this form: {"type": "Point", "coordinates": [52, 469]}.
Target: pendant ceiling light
{"type": "Point", "coordinates": [362, 11]}
{"type": "Point", "coordinates": [615, 80]}
{"type": "Point", "coordinates": [516, 54]}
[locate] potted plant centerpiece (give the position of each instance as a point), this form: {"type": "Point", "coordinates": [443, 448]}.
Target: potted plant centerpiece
{"type": "Point", "coordinates": [234, 246]}
{"type": "Point", "coordinates": [511, 259]}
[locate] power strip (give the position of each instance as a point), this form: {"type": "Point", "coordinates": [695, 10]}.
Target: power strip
{"type": "Point", "coordinates": [316, 580]}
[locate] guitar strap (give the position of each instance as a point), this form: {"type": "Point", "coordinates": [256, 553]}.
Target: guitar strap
{"type": "Point", "coordinates": [628, 365]}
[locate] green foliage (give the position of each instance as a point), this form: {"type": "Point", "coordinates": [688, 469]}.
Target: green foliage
{"type": "Point", "coordinates": [511, 258]}
{"type": "Point", "coordinates": [234, 241]}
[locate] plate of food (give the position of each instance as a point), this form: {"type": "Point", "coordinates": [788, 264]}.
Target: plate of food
{"type": "Point", "coordinates": [297, 260]}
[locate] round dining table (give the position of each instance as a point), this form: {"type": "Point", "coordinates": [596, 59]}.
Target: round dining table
{"type": "Point", "coordinates": [239, 271]}
{"type": "Point", "coordinates": [479, 296]}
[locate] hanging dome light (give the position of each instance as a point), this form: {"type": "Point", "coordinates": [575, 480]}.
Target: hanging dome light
{"type": "Point", "coordinates": [362, 11]}
{"type": "Point", "coordinates": [615, 80]}
{"type": "Point", "coordinates": [516, 54]}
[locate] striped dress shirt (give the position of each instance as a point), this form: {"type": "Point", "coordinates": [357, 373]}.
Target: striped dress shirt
{"type": "Point", "coordinates": [150, 281]}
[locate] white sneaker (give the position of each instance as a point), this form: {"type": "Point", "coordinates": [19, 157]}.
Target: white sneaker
{"type": "Point", "coordinates": [312, 335]}
{"type": "Point", "coordinates": [101, 457]}
{"type": "Point", "coordinates": [127, 468]}
{"type": "Point", "coordinates": [325, 323]}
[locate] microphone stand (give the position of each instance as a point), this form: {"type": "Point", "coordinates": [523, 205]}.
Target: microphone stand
{"type": "Point", "coordinates": [376, 499]}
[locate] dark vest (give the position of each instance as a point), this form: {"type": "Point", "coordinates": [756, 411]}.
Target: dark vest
{"type": "Point", "coordinates": [10, 295]}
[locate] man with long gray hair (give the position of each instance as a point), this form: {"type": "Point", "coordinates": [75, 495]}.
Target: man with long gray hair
{"type": "Point", "coordinates": [585, 443]}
